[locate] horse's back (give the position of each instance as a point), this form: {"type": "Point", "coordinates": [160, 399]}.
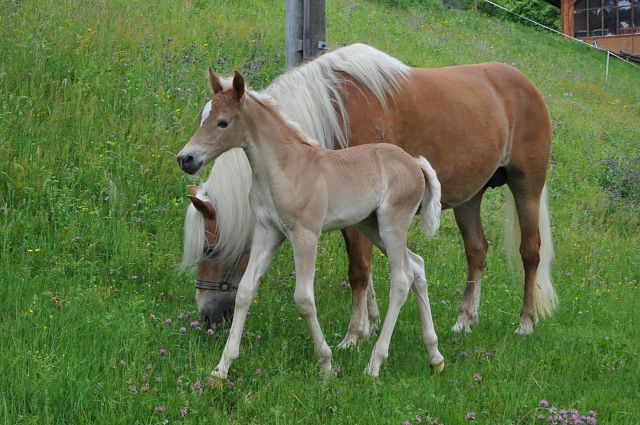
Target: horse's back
{"type": "Point", "coordinates": [464, 119]}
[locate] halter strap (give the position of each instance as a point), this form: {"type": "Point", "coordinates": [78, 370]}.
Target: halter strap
{"type": "Point", "coordinates": [225, 284]}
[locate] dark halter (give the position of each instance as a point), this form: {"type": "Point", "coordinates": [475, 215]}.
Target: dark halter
{"type": "Point", "coordinates": [225, 284]}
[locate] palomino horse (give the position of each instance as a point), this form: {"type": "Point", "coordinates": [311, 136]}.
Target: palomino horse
{"type": "Point", "coordinates": [300, 190]}
{"type": "Point", "coordinates": [480, 126]}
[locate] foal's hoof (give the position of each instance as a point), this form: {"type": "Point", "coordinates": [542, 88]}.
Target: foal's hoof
{"type": "Point", "coordinates": [218, 379]}
{"type": "Point", "coordinates": [438, 367]}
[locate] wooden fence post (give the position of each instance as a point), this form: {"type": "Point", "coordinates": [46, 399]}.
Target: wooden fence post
{"type": "Point", "coordinates": [306, 30]}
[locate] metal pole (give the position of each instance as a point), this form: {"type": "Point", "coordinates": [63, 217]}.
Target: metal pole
{"type": "Point", "coordinates": [294, 29]}
{"type": "Point", "coordinates": [606, 72]}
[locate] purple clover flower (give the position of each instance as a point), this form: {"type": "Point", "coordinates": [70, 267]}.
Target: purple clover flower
{"type": "Point", "coordinates": [463, 354]}
{"type": "Point", "coordinates": [195, 324]}
{"type": "Point", "coordinates": [544, 403]}
{"type": "Point", "coordinates": [168, 321]}
{"type": "Point", "coordinates": [133, 389]}
{"type": "Point", "coordinates": [163, 352]}
{"type": "Point", "coordinates": [159, 409]}
{"type": "Point", "coordinates": [477, 376]}
{"type": "Point", "coordinates": [183, 330]}
{"type": "Point", "coordinates": [184, 412]}
{"type": "Point", "coordinates": [197, 387]}
{"type": "Point", "coordinates": [471, 416]}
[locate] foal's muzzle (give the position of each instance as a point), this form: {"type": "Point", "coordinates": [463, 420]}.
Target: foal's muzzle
{"type": "Point", "coordinates": [188, 163]}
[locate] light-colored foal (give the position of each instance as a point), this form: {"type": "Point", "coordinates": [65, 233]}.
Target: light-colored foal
{"type": "Point", "coordinates": [300, 190]}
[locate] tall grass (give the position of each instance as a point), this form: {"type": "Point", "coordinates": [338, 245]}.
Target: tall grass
{"type": "Point", "coordinates": [97, 97]}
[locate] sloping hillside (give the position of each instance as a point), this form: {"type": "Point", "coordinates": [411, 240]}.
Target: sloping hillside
{"type": "Point", "coordinates": [96, 99]}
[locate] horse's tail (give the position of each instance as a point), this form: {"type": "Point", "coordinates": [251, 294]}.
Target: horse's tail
{"type": "Point", "coordinates": [431, 207]}
{"type": "Point", "coordinates": [544, 295]}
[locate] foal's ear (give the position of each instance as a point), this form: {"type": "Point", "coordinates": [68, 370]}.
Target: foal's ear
{"type": "Point", "coordinates": [238, 86]}
{"type": "Point", "coordinates": [205, 208]}
{"type": "Point", "coordinates": [214, 80]}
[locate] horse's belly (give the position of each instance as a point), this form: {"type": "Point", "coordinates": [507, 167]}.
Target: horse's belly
{"type": "Point", "coordinates": [347, 213]}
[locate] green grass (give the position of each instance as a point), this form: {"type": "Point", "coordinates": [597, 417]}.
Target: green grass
{"type": "Point", "coordinates": [96, 99]}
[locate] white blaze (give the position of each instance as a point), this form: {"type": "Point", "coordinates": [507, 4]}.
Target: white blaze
{"type": "Point", "coordinates": [205, 112]}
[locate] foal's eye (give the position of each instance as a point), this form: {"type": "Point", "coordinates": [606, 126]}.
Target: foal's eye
{"type": "Point", "coordinates": [223, 123]}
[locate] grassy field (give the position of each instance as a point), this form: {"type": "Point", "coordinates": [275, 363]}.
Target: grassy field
{"type": "Point", "coordinates": [95, 100]}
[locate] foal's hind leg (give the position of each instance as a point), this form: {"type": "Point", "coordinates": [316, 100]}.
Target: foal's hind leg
{"type": "Point", "coordinates": [475, 247]}
{"type": "Point", "coordinates": [305, 244]}
{"type": "Point", "coordinates": [424, 308]}
{"type": "Point", "coordinates": [364, 310]}
{"type": "Point", "coordinates": [391, 238]}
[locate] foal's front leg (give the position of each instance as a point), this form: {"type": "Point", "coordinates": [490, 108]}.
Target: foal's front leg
{"type": "Point", "coordinates": [264, 245]}
{"type": "Point", "coordinates": [305, 244]}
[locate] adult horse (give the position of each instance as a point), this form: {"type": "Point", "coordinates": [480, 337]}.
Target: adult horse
{"type": "Point", "coordinates": [481, 126]}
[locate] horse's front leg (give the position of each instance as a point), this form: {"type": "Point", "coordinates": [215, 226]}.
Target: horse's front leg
{"type": "Point", "coordinates": [264, 245]}
{"type": "Point", "coordinates": [305, 244]}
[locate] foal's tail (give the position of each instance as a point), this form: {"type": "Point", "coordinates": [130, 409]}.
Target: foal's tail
{"type": "Point", "coordinates": [430, 208]}
{"type": "Point", "coordinates": [544, 295]}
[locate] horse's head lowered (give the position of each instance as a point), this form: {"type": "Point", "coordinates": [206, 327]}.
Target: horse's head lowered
{"type": "Point", "coordinates": [217, 278]}
{"type": "Point", "coordinates": [220, 128]}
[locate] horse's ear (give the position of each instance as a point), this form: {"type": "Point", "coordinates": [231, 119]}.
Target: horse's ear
{"type": "Point", "coordinates": [214, 80]}
{"type": "Point", "coordinates": [238, 86]}
{"type": "Point", "coordinates": [193, 189]}
{"type": "Point", "coordinates": [205, 208]}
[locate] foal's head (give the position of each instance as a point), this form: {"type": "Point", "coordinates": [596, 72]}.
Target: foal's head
{"type": "Point", "coordinates": [217, 278]}
{"type": "Point", "coordinates": [220, 128]}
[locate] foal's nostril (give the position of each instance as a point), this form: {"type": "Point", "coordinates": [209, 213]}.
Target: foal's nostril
{"type": "Point", "coordinates": [188, 163]}
{"type": "Point", "coordinates": [185, 160]}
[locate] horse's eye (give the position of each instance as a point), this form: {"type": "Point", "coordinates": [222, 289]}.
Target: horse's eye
{"type": "Point", "coordinates": [223, 123]}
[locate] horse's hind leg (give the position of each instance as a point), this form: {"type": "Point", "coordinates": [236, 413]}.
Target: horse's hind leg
{"type": "Point", "coordinates": [538, 294]}
{"type": "Point", "coordinates": [364, 312]}
{"type": "Point", "coordinates": [305, 244]}
{"type": "Point", "coordinates": [475, 247]}
{"type": "Point", "coordinates": [391, 237]}
{"type": "Point", "coordinates": [424, 308]}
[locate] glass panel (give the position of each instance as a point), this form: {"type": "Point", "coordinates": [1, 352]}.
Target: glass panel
{"type": "Point", "coordinates": [636, 17]}
{"type": "Point", "coordinates": [624, 15]}
{"type": "Point", "coordinates": [580, 23]}
{"type": "Point", "coordinates": [580, 5]}
{"type": "Point", "coordinates": [610, 15]}
{"type": "Point", "coordinates": [595, 22]}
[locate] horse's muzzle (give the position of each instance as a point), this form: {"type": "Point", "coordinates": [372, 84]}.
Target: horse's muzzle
{"type": "Point", "coordinates": [188, 163]}
{"type": "Point", "coordinates": [218, 308]}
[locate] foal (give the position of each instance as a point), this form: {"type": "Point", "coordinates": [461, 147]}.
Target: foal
{"type": "Point", "coordinates": [300, 190]}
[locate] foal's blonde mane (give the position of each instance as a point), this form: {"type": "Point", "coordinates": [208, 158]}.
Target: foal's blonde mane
{"type": "Point", "coordinates": [310, 97]}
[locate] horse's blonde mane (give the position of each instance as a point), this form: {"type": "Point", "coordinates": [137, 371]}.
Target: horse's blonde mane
{"type": "Point", "coordinates": [310, 96]}
{"type": "Point", "coordinates": [227, 188]}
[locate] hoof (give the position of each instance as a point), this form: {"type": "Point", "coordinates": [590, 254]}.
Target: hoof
{"type": "Point", "coordinates": [526, 326]}
{"type": "Point", "coordinates": [219, 379]}
{"type": "Point", "coordinates": [438, 367]}
{"type": "Point", "coordinates": [464, 323]}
